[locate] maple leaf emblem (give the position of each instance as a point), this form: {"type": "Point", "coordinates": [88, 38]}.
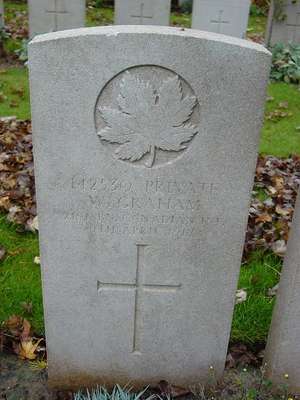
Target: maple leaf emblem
{"type": "Point", "coordinates": [148, 119]}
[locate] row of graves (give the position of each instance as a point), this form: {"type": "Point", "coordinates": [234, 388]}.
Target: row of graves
{"type": "Point", "coordinates": [229, 17]}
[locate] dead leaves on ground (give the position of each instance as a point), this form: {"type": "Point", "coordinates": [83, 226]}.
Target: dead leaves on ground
{"type": "Point", "coordinates": [272, 205]}
{"type": "Point", "coordinates": [16, 335]}
{"type": "Point", "coordinates": [270, 214]}
{"type": "Point", "coordinates": [17, 190]}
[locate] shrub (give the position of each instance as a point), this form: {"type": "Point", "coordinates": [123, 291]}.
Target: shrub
{"type": "Point", "coordinates": [286, 63]}
{"type": "Point", "coordinates": [187, 7]}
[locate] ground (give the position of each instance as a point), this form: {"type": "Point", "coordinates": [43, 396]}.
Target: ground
{"type": "Point", "coordinates": [20, 283]}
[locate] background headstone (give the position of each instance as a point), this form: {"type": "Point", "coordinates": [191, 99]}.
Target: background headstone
{"type": "Point", "coordinates": [55, 15]}
{"type": "Point", "coordinates": [283, 346]}
{"type": "Point", "coordinates": [142, 12]}
{"type": "Point", "coordinates": [145, 147]}
{"type": "Point", "coordinates": [229, 17]}
{"type": "Point", "coordinates": [286, 30]}
{"type": "Point", "coordinates": [1, 14]}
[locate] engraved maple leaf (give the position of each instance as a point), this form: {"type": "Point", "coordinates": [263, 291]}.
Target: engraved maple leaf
{"type": "Point", "coordinates": [147, 119]}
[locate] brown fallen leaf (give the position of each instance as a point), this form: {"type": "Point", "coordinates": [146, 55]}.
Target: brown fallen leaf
{"type": "Point", "coordinates": [263, 218]}
{"type": "Point", "coordinates": [27, 349]}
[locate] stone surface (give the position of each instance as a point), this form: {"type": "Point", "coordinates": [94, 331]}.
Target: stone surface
{"type": "Point", "coordinates": [287, 30]}
{"type": "Point", "coordinates": [283, 347]}
{"type": "Point", "coordinates": [229, 17]}
{"type": "Point", "coordinates": [55, 15]}
{"type": "Point", "coordinates": [1, 14]}
{"type": "Point", "coordinates": [142, 12]}
{"type": "Point", "coordinates": [145, 149]}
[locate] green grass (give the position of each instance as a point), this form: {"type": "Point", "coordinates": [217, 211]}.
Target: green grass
{"type": "Point", "coordinates": [252, 318]}
{"type": "Point", "coordinates": [282, 138]}
{"type": "Point", "coordinates": [14, 93]}
{"type": "Point", "coordinates": [20, 279]}
{"type": "Point", "coordinates": [257, 24]}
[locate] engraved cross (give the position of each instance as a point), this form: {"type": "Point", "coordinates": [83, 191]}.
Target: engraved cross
{"type": "Point", "coordinates": [219, 21]}
{"type": "Point", "coordinates": [139, 287]}
{"type": "Point", "coordinates": [142, 15]}
{"type": "Point", "coordinates": [295, 26]}
{"type": "Point", "coordinates": [58, 9]}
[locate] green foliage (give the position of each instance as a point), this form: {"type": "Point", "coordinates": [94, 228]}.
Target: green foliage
{"type": "Point", "coordinates": [257, 11]}
{"type": "Point", "coordinates": [117, 394]}
{"type": "Point", "coordinates": [286, 63]}
{"type": "Point", "coordinates": [22, 52]}
{"type": "Point", "coordinates": [187, 7]}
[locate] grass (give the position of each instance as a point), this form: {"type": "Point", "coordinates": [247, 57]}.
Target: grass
{"type": "Point", "coordinates": [20, 280]}
{"type": "Point", "coordinates": [282, 138]}
{"type": "Point", "coordinates": [252, 318]}
{"type": "Point", "coordinates": [14, 93]}
{"type": "Point", "coordinates": [20, 277]}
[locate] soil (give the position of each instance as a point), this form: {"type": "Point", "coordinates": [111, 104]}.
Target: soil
{"type": "Point", "coordinates": [18, 381]}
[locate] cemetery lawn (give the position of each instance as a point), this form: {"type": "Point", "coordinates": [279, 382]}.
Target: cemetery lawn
{"type": "Point", "coordinates": [20, 282]}
{"type": "Point", "coordinates": [14, 93]}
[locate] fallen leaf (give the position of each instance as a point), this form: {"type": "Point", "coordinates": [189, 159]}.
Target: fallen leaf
{"type": "Point", "coordinates": [28, 348]}
{"type": "Point", "coordinates": [279, 247]}
{"type": "Point", "coordinates": [37, 260]}
{"type": "Point", "coordinates": [240, 296]}
{"type": "Point", "coordinates": [273, 291]}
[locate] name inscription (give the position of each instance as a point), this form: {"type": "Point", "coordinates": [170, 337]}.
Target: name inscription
{"type": "Point", "coordinates": [175, 208]}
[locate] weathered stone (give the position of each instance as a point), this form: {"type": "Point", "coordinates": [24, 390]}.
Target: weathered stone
{"type": "Point", "coordinates": [229, 17]}
{"type": "Point", "coordinates": [284, 28]}
{"type": "Point", "coordinates": [141, 12]}
{"type": "Point", "coordinates": [55, 15]}
{"type": "Point", "coordinates": [283, 346]}
{"type": "Point", "coordinates": [145, 147]}
{"type": "Point", "coordinates": [1, 14]}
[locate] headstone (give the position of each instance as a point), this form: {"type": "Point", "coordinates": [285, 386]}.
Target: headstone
{"type": "Point", "coordinates": [1, 14]}
{"type": "Point", "coordinates": [286, 30]}
{"type": "Point", "coordinates": [283, 346]}
{"type": "Point", "coordinates": [142, 12]}
{"type": "Point", "coordinates": [229, 17]}
{"type": "Point", "coordinates": [55, 15]}
{"type": "Point", "coordinates": [145, 146]}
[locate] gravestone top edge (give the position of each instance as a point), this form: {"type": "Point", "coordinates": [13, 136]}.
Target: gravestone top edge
{"type": "Point", "coordinates": [148, 29]}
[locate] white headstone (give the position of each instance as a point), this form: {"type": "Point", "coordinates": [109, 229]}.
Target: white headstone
{"type": "Point", "coordinates": [142, 12]}
{"type": "Point", "coordinates": [1, 14]}
{"type": "Point", "coordinates": [288, 29]}
{"type": "Point", "coordinates": [229, 17]}
{"type": "Point", "coordinates": [55, 15]}
{"type": "Point", "coordinates": [145, 147]}
{"type": "Point", "coordinates": [283, 347]}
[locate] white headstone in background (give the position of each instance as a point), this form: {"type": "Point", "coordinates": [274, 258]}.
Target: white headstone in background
{"type": "Point", "coordinates": [55, 15]}
{"type": "Point", "coordinates": [142, 12]}
{"type": "Point", "coordinates": [283, 347]}
{"type": "Point", "coordinates": [229, 17]}
{"type": "Point", "coordinates": [142, 206]}
{"type": "Point", "coordinates": [286, 30]}
{"type": "Point", "coordinates": [1, 14]}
